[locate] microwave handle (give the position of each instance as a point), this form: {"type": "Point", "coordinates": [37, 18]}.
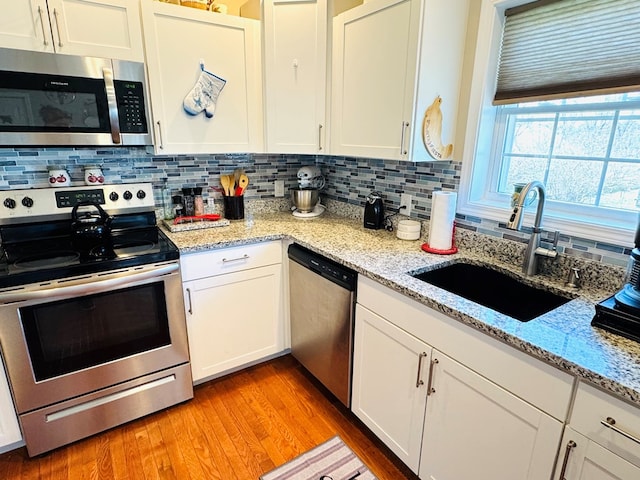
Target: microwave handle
{"type": "Point", "coordinates": [112, 104]}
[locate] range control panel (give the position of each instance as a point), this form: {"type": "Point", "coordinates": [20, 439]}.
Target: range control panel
{"type": "Point", "coordinates": [19, 206]}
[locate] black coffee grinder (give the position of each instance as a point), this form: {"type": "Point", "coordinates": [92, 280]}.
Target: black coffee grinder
{"type": "Point", "coordinates": [620, 313]}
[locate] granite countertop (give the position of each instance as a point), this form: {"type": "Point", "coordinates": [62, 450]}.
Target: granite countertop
{"type": "Point", "coordinates": [563, 337]}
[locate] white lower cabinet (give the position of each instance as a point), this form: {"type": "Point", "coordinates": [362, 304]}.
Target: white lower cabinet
{"type": "Point", "coordinates": [234, 315]}
{"type": "Point", "coordinates": [388, 390]}
{"type": "Point", "coordinates": [9, 428]}
{"type": "Point", "coordinates": [476, 429]}
{"type": "Point", "coordinates": [583, 459]}
{"type": "Point", "coordinates": [602, 441]}
{"type": "Point", "coordinates": [480, 410]}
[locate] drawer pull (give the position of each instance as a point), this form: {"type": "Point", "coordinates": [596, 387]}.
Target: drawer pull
{"type": "Point", "coordinates": [570, 446]}
{"type": "Point", "coordinates": [610, 422]}
{"type": "Point", "coordinates": [243, 257]}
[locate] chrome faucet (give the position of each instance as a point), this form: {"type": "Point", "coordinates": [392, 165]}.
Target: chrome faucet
{"type": "Point", "coordinates": [530, 265]}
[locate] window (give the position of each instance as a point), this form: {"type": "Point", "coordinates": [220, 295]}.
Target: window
{"type": "Point", "coordinates": [583, 145]}
{"type": "Point", "coordinates": [585, 150]}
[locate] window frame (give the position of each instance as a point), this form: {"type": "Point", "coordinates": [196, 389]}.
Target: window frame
{"type": "Point", "coordinates": [476, 197]}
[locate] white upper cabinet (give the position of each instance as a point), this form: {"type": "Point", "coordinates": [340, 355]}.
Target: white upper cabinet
{"type": "Point", "coordinates": [104, 28]}
{"type": "Point", "coordinates": [177, 40]}
{"type": "Point", "coordinates": [295, 57]}
{"type": "Point", "coordinates": [391, 59]}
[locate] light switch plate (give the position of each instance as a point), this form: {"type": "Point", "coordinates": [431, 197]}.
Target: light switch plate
{"type": "Point", "coordinates": [278, 188]}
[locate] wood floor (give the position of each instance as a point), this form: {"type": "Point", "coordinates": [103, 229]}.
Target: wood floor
{"type": "Point", "coordinates": [236, 428]}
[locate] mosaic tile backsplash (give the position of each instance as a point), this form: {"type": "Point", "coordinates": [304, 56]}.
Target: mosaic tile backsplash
{"type": "Point", "coordinates": [349, 180]}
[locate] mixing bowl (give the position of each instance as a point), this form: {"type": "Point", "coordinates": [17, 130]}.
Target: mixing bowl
{"type": "Point", "coordinates": [304, 199]}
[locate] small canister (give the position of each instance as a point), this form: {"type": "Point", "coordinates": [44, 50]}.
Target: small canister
{"type": "Point", "coordinates": [198, 202]}
{"type": "Point", "coordinates": [187, 201]}
{"type": "Point", "coordinates": [59, 177]}
{"type": "Point", "coordinates": [178, 207]}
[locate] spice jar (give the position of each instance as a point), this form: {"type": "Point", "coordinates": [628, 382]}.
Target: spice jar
{"type": "Point", "coordinates": [178, 207]}
{"type": "Point", "coordinates": [198, 202]}
{"type": "Point", "coordinates": [187, 201]}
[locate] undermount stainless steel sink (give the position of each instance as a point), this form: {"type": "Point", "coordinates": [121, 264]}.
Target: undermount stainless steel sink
{"type": "Point", "coordinates": [493, 289]}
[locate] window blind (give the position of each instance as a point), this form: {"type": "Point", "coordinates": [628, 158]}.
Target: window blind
{"type": "Point", "coordinates": [568, 48]}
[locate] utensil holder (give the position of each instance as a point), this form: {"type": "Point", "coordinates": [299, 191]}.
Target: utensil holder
{"type": "Point", "coordinates": [234, 207]}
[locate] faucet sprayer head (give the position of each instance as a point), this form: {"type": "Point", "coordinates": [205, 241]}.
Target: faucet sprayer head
{"type": "Point", "coordinates": [515, 220]}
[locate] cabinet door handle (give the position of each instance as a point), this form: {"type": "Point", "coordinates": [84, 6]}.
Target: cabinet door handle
{"type": "Point", "coordinates": [190, 304]}
{"type": "Point", "coordinates": [320, 137]}
{"type": "Point", "coordinates": [570, 446]}
{"type": "Point", "coordinates": [55, 14]}
{"type": "Point", "coordinates": [430, 389]}
{"type": "Point", "coordinates": [243, 257]}
{"type": "Point", "coordinates": [404, 129]}
{"type": "Point", "coordinates": [44, 35]}
{"type": "Point", "coordinates": [610, 422]}
{"type": "Point", "coordinates": [419, 381]}
{"type": "Point", "coordinates": [161, 146]}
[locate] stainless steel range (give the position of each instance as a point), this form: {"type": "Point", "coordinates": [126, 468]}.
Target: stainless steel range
{"type": "Point", "coordinates": [92, 323]}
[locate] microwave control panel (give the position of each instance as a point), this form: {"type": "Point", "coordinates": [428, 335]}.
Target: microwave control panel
{"type": "Point", "coordinates": [131, 107]}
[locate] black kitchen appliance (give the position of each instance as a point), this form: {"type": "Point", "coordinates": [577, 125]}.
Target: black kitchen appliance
{"type": "Point", "coordinates": [620, 313]}
{"type": "Point", "coordinates": [92, 319]}
{"type": "Point", "coordinates": [374, 211]}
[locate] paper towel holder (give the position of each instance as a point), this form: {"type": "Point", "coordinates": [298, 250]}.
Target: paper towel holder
{"type": "Point", "coordinates": [425, 246]}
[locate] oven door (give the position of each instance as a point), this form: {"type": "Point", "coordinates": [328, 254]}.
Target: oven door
{"type": "Point", "coordinates": [71, 337]}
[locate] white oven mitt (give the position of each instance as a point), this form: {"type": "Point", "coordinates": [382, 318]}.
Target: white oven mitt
{"type": "Point", "coordinates": [204, 94]}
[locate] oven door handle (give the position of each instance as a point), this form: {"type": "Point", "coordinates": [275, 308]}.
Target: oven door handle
{"type": "Point", "coordinates": [88, 287]}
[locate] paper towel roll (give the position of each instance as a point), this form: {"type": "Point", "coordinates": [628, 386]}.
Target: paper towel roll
{"type": "Point", "coordinates": [443, 214]}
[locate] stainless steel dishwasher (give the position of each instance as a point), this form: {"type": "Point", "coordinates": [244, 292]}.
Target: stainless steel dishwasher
{"type": "Point", "coordinates": [322, 302]}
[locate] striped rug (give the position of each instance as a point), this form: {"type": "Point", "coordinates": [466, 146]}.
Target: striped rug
{"type": "Point", "coordinates": [331, 460]}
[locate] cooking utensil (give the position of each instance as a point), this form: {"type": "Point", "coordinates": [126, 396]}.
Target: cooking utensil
{"type": "Point", "coordinates": [243, 181]}
{"type": "Point", "coordinates": [197, 218]}
{"type": "Point", "coordinates": [225, 181]}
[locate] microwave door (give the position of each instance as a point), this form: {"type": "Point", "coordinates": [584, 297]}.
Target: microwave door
{"type": "Point", "coordinates": [53, 109]}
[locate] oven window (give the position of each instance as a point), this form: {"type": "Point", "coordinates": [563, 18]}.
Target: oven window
{"type": "Point", "coordinates": [70, 335]}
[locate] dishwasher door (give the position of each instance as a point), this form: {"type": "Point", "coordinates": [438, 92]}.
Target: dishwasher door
{"type": "Point", "coordinates": [321, 328]}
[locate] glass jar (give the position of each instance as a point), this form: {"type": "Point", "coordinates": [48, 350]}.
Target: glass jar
{"type": "Point", "coordinates": [198, 202]}
{"type": "Point", "coordinates": [187, 202]}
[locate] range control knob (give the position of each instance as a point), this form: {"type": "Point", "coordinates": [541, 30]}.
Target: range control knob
{"type": "Point", "coordinates": [141, 194]}
{"type": "Point", "coordinates": [113, 196]}
{"type": "Point", "coordinates": [27, 202]}
{"type": "Point", "coordinates": [127, 195]}
{"type": "Point", "coordinates": [9, 203]}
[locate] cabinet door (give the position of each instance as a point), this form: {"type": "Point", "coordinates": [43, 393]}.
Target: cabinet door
{"type": "Point", "coordinates": [295, 49]}
{"type": "Point", "coordinates": [388, 391]}
{"type": "Point", "coordinates": [586, 460]}
{"type": "Point", "coordinates": [25, 25]}
{"type": "Point", "coordinates": [97, 28]}
{"type": "Point", "coordinates": [234, 319]}
{"type": "Point", "coordinates": [177, 40]}
{"type": "Point", "coordinates": [9, 429]}
{"type": "Point", "coordinates": [374, 63]}
{"type": "Point", "coordinates": [476, 429]}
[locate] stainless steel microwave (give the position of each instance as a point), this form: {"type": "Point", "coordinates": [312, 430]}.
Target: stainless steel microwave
{"type": "Point", "coordinates": [53, 99]}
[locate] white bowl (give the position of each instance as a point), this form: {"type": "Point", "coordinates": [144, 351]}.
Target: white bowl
{"type": "Point", "coordinates": [408, 236]}
{"type": "Point", "coordinates": [408, 226]}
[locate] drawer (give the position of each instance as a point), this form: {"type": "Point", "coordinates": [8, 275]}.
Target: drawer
{"type": "Point", "coordinates": [227, 260]}
{"type": "Point", "coordinates": [592, 407]}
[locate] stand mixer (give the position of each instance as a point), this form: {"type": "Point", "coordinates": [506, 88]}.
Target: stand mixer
{"type": "Point", "coordinates": [306, 197]}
